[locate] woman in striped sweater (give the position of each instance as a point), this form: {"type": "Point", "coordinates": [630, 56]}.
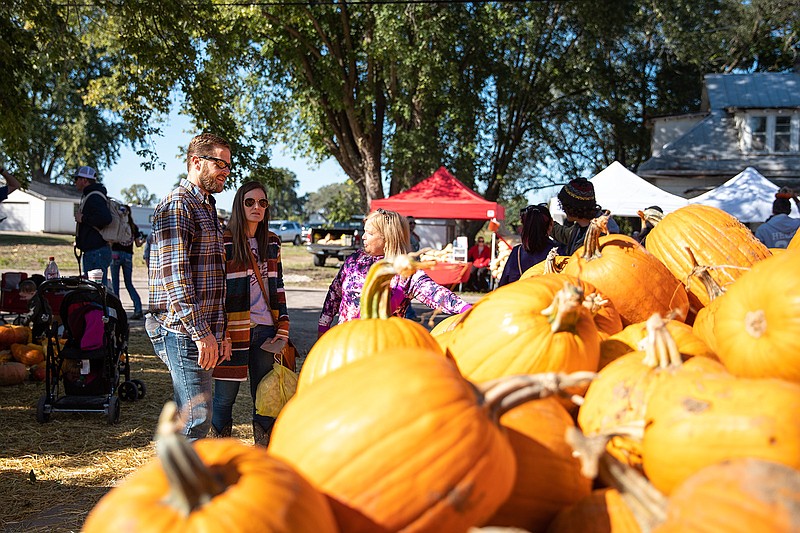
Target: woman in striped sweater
{"type": "Point", "coordinates": [255, 304]}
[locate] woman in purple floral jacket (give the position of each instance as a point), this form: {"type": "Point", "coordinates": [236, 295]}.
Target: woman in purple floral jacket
{"type": "Point", "coordinates": [386, 234]}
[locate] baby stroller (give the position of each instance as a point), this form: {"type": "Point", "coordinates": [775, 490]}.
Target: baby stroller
{"type": "Point", "coordinates": [87, 349]}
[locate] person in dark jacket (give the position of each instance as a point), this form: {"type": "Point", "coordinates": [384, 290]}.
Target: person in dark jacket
{"type": "Point", "coordinates": [122, 258]}
{"type": "Point", "coordinates": [536, 243]}
{"type": "Point", "coordinates": [92, 214]}
{"type": "Point", "coordinates": [579, 204]}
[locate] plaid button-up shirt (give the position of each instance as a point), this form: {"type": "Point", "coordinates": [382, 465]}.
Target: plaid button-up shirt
{"type": "Point", "coordinates": [187, 264]}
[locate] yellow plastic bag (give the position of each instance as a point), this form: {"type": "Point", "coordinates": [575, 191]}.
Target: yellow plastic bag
{"type": "Point", "coordinates": [274, 390]}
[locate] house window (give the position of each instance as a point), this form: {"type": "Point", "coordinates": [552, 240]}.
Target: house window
{"type": "Point", "coordinates": [772, 133]}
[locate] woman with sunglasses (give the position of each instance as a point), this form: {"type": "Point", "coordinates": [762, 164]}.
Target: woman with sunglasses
{"type": "Point", "coordinates": [386, 235]}
{"type": "Point", "coordinates": [537, 223]}
{"type": "Point", "coordinates": [258, 326]}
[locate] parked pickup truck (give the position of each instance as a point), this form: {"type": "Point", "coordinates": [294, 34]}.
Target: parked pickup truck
{"type": "Point", "coordinates": [339, 241]}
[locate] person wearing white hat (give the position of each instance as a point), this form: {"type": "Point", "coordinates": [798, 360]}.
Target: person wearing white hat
{"type": "Point", "coordinates": [93, 213]}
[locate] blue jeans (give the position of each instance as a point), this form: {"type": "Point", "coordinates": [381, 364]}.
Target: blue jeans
{"type": "Point", "coordinates": [191, 385]}
{"type": "Point", "coordinates": [259, 363]}
{"type": "Point", "coordinates": [124, 260]}
{"type": "Point", "coordinates": [99, 258]}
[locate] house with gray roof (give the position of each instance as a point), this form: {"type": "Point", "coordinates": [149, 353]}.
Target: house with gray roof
{"type": "Point", "coordinates": [41, 208]}
{"type": "Point", "coordinates": [745, 120]}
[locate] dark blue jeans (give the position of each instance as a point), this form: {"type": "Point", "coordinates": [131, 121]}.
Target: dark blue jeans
{"type": "Point", "coordinates": [124, 260]}
{"type": "Point", "coordinates": [259, 363]}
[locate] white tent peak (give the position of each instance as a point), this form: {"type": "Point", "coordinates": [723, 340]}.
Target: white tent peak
{"type": "Point", "coordinates": [748, 196]}
{"type": "Point", "coordinates": [625, 194]}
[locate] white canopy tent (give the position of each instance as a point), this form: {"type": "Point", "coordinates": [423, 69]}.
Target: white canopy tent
{"type": "Point", "coordinates": [748, 196]}
{"type": "Point", "coordinates": [624, 194]}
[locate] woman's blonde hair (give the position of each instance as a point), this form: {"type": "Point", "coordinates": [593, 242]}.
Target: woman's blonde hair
{"type": "Point", "coordinates": [394, 228]}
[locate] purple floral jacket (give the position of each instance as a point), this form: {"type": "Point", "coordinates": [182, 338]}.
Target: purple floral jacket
{"type": "Point", "coordinates": [344, 296]}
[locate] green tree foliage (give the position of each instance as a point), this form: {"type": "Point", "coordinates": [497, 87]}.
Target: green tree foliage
{"type": "Point", "coordinates": [338, 202]}
{"type": "Point", "coordinates": [137, 194]}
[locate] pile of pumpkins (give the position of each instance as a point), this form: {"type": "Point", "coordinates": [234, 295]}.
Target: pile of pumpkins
{"type": "Point", "coordinates": [672, 373]}
{"type": "Point", "coordinates": [20, 359]}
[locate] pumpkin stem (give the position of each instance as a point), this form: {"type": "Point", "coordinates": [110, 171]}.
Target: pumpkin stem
{"type": "Point", "coordinates": [500, 395]}
{"type": "Point", "coordinates": [565, 311]}
{"type": "Point", "coordinates": [660, 348]}
{"type": "Point", "coordinates": [550, 262]}
{"type": "Point", "coordinates": [192, 484]}
{"type": "Point", "coordinates": [376, 295]}
{"type": "Point", "coordinates": [702, 273]}
{"type": "Point", "coordinates": [646, 503]}
{"type": "Point", "coordinates": [591, 243]}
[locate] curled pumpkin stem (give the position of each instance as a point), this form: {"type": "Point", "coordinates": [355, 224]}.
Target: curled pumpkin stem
{"type": "Point", "coordinates": [376, 294]}
{"type": "Point", "coordinates": [192, 484]}
{"type": "Point", "coordinates": [660, 348]}
{"type": "Point", "coordinates": [501, 395]}
{"type": "Point", "coordinates": [594, 302]}
{"type": "Point", "coordinates": [564, 313]}
{"type": "Point", "coordinates": [550, 266]}
{"type": "Point", "coordinates": [591, 243]}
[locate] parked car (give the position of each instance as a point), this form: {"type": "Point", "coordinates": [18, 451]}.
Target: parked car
{"type": "Point", "coordinates": [288, 231]}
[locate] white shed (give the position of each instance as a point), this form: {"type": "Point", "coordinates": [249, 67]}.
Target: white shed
{"type": "Point", "coordinates": [42, 208]}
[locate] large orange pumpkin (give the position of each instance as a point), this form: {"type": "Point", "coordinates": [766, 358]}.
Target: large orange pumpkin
{"type": "Point", "coordinates": [11, 334]}
{"type": "Point", "coordinates": [548, 476]}
{"type": "Point", "coordinates": [213, 485]}
{"type": "Point", "coordinates": [400, 441]}
{"type": "Point", "coordinates": [375, 331]}
{"type": "Point", "coordinates": [622, 390]}
{"type": "Point", "coordinates": [715, 238]}
{"type": "Point", "coordinates": [623, 270]}
{"type": "Point", "coordinates": [794, 244]}
{"type": "Point", "coordinates": [695, 420]}
{"type": "Point", "coordinates": [737, 496]}
{"type": "Point", "coordinates": [757, 321]}
{"type": "Point", "coordinates": [530, 326]}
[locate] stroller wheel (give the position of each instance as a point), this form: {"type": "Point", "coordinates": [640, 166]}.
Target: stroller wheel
{"type": "Point", "coordinates": [128, 391]}
{"type": "Point", "coordinates": [112, 411]}
{"type": "Point", "coordinates": [141, 390]}
{"type": "Point", "coordinates": [42, 410]}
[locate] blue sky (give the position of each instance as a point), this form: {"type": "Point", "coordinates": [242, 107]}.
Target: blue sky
{"type": "Point", "coordinates": [177, 132]}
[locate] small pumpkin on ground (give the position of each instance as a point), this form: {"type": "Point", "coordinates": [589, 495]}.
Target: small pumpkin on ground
{"type": "Point", "coordinates": [603, 511]}
{"type": "Point", "coordinates": [211, 485]}
{"type": "Point", "coordinates": [12, 373]}
{"type": "Point", "coordinates": [28, 354]}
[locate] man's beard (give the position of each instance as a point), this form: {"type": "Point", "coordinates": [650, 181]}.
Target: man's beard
{"type": "Point", "coordinates": [208, 181]}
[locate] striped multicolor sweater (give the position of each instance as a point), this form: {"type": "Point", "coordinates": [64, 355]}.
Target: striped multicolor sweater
{"type": "Point", "coordinates": [237, 305]}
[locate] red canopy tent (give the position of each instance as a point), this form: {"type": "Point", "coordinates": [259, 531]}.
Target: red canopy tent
{"type": "Point", "coordinates": [441, 196]}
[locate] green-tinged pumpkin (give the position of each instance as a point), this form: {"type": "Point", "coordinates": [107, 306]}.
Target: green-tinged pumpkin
{"type": "Point", "coordinates": [635, 281]}
{"type": "Point", "coordinates": [714, 238]}
{"type": "Point", "coordinates": [534, 325]}
{"type": "Point", "coordinates": [548, 476]}
{"type": "Point", "coordinates": [756, 324]}
{"type": "Point", "coordinates": [212, 485]}
{"type": "Point", "coordinates": [695, 420]}
{"type": "Point", "coordinates": [737, 496]}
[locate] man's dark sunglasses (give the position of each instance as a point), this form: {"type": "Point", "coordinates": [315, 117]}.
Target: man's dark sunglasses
{"type": "Point", "coordinates": [221, 163]}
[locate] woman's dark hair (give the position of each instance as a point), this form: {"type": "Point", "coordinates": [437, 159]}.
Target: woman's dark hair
{"type": "Point", "coordinates": [536, 221]}
{"type": "Point", "coordinates": [238, 226]}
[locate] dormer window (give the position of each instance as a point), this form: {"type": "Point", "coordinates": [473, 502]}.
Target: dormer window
{"type": "Point", "coordinates": [771, 132]}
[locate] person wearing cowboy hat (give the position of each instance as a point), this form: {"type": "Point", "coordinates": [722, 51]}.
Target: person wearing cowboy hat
{"type": "Point", "coordinates": [580, 205]}
{"type": "Point", "coordinates": [92, 214]}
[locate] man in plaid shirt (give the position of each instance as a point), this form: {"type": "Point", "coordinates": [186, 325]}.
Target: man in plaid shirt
{"type": "Point", "coordinates": [186, 323]}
